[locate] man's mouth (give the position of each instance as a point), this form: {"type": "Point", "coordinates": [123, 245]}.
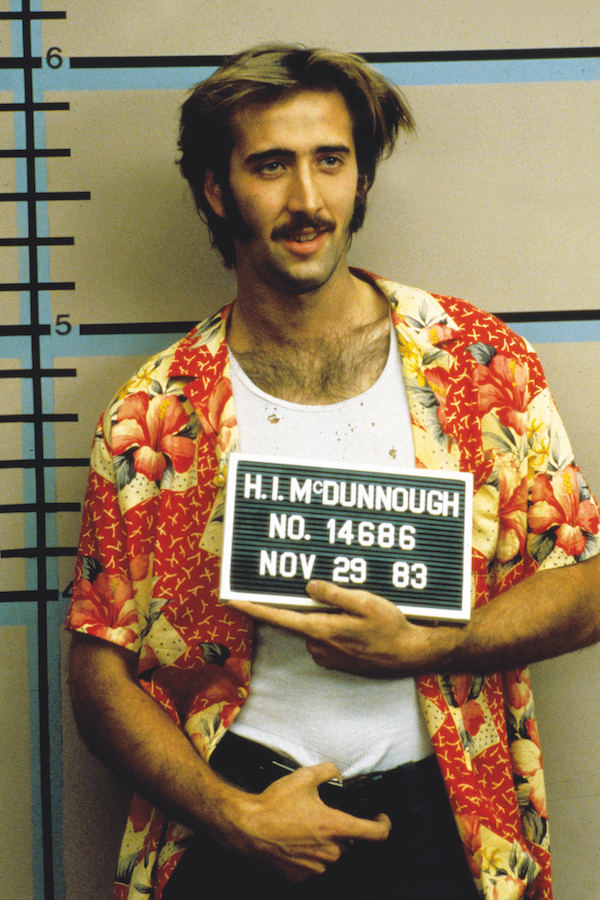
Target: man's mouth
{"type": "Point", "coordinates": [306, 236]}
{"type": "Point", "coordinates": [303, 233]}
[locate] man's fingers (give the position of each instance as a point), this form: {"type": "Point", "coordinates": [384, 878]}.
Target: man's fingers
{"type": "Point", "coordinates": [271, 615]}
{"type": "Point", "coordinates": [345, 599]}
{"type": "Point", "coordinates": [319, 773]}
{"type": "Point", "coordinates": [377, 829]}
{"type": "Point", "coordinates": [350, 828]}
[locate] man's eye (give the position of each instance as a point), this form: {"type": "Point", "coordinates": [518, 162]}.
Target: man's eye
{"type": "Point", "coordinates": [271, 167]}
{"type": "Point", "coordinates": [330, 162]}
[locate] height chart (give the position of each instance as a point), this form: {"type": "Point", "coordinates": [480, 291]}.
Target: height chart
{"type": "Point", "coordinates": [103, 262]}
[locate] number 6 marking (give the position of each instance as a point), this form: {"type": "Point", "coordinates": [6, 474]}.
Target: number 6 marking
{"type": "Point", "coordinates": [53, 58]}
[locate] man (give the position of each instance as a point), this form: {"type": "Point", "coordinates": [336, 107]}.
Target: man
{"type": "Point", "coordinates": [314, 359]}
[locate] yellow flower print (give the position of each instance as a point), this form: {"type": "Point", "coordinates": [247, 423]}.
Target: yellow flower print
{"type": "Point", "coordinates": [538, 440]}
{"type": "Point", "coordinates": [412, 361]}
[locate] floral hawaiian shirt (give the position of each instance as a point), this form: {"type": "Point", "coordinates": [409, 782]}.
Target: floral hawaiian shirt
{"type": "Point", "coordinates": [147, 574]}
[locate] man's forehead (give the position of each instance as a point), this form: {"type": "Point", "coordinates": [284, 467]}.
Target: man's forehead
{"type": "Point", "coordinates": [292, 114]}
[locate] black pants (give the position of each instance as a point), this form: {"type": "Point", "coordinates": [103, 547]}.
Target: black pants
{"type": "Point", "coordinates": [421, 860]}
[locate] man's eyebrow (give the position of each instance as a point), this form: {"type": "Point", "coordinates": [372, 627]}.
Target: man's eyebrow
{"type": "Point", "coordinates": [341, 149]}
{"type": "Point", "coordinates": [263, 155]}
{"type": "Point", "coordinates": [283, 153]}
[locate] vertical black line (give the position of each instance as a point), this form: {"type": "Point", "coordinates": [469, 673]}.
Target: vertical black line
{"type": "Point", "coordinates": [42, 619]}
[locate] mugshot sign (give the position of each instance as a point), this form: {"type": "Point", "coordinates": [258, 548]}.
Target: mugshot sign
{"type": "Point", "coordinates": [405, 535]}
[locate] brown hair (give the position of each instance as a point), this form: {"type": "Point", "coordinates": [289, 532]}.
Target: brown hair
{"type": "Point", "coordinates": [263, 74]}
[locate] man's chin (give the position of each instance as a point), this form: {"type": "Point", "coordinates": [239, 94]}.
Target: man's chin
{"type": "Point", "coordinates": [305, 277]}
{"type": "Point", "coordinates": [300, 285]}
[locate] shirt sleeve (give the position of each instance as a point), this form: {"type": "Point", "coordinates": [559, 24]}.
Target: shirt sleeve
{"type": "Point", "coordinates": [562, 514]}
{"type": "Point", "coordinates": [111, 593]}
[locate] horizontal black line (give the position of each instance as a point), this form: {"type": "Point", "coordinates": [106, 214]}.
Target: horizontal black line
{"type": "Point", "coordinates": [132, 62]}
{"type": "Point", "coordinates": [9, 62]}
{"type": "Point", "coordinates": [37, 242]}
{"type": "Point", "coordinates": [47, 463]}
{"type": "Point", "coordinates": [45, 417]}
{"type": "Point", "coordinates": [45, 195]}
{"type": "Point", "coordinates": [23, 330]}
{"type": "Point", "coordinates": [38, 286]}
{"type": "Point", "coordinates": [40, 106]}
{"type": "Point", "coordinates": [576, 315]}
{"type": "Point", "coordinates": [474, 55]}
{"type": "Point", "coordinates": [566, 315]}
{"type": "Point", "coordinates": [28, 596]}
{"type": "Point", "coordinates": [32, 552]}
{"type": "Point", "coordinates": [42, 507]}
{"type": "Point", "coordinates": [136, 328]}
{"type": "Point", "coordinates": [572, 315]}
{"type": "Point", "coordinates": [31, 14]}
{"type": "Point", "coordinates": [40, 373]}
{"type": "Point", "coordinates": [142, 62]}
{"type": "Point", "coordinates": [23, 154]}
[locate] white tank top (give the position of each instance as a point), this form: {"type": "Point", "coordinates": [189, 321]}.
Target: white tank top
{"type": "Point", "coordinates": [295, 706]}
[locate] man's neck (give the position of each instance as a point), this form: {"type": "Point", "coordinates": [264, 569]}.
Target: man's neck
{"type": "Point", "coordinates": [263, 317]}
{"type": "Point", "coordinates": [315, 349]}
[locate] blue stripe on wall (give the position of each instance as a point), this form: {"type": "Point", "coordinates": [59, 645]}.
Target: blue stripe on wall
{"type": "Point", "coordinates": [443, 72]}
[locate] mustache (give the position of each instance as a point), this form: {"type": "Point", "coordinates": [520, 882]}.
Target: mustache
{"type": "Point", "coordinates": [300, 222]}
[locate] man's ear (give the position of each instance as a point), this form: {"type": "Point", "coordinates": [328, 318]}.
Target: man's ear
{"type": "Point", "coordinates": [214, 194]}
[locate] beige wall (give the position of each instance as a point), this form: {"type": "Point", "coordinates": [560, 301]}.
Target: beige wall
{"type": "Point", "coordinates": [494, 199]}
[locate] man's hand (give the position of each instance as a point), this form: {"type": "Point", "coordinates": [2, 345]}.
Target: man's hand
{"type": "Point", "coordinates": [542, 616]}
{"type": "Point", "coordinates": [289, 829]}
{"type": "Point", "coordinates": [365, 634]}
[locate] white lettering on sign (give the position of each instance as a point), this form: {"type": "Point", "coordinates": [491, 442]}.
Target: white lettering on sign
{"type": "Point", "coordinates": [282, 526]}
{"type": "Point", "coordinates": [370, 534]}
{"type": "Point", "coordinates": [386, 497]}
{"type": "Point", "coordinates": [352, 570]}
{"type": "Point", "coordinates": [253, 485]}
{"type": "Point", "coordinates": [405, 575]}
{"type": "Point", "coordinates": [273, 563]}
{"type": "Point", "coordinates": [300, 493]}
{"type": "Point", "coordinates": [402, 534]}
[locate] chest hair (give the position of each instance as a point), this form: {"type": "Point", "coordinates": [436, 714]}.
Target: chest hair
{"type": "Point", "coordinates": [327, 369]}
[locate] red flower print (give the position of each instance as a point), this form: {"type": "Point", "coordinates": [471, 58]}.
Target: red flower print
{"type": "Point", "coordinates": [512, 516]}
{"type": "Point", "coordinates": [473, 717]}
{"type": "Point", "coordinates": [527, 762]}
{"type": "Point", "coordinates": [557, 503]}
{"type": "Point", "coordinates": [222, 685]}
{"type": "Point", "coordinates": [138, 567]}
{"type": "Point", "coordinates": [440, 332]}
{"type": "Point", "coordinates": [465, 689]}
{"type": "Point", "coordinates": [140, 813]}
{"type": "Point", "coordinates": [509, 888]}
{"type": "Point", "coordinates": [212, 418]}
{"type": "Point", "coordinates": [518, 690]}
{"type": "Point", "coordinates": [104, 608]}
{"type": "Point", "coordinates": [468, 829]}
{"type": "Point", "coordinates": [504, 386]}
{"type": "Point", "coordinates": [439, 381]}
{"type": "Point", "coordinates": [149, 427]}
{"type": "Point", "coordinates": [461, 685]}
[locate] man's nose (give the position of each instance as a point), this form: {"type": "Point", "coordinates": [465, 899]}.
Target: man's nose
{"type": "Point", "coordinates": [305, 194]}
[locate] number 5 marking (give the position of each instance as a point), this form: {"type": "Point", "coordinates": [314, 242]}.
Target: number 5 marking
{"type": "Point", "coordinates": [62, 325]}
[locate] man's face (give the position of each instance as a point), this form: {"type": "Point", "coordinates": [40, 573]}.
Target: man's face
{"type": "Point", "coordinates": [293, 180]}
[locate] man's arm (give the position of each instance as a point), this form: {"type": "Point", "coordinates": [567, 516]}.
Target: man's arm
{"type": "Point", "coordinates": [287, 827]}
{"type": "Point", "coordinates": [552, 612]}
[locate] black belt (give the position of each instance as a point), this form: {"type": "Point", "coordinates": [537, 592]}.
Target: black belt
{"type": "Point", "coordinates": [253, 767]}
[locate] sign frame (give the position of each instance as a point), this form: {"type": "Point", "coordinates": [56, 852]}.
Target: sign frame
{"type": "Point", "coordinates": [374, 530]}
